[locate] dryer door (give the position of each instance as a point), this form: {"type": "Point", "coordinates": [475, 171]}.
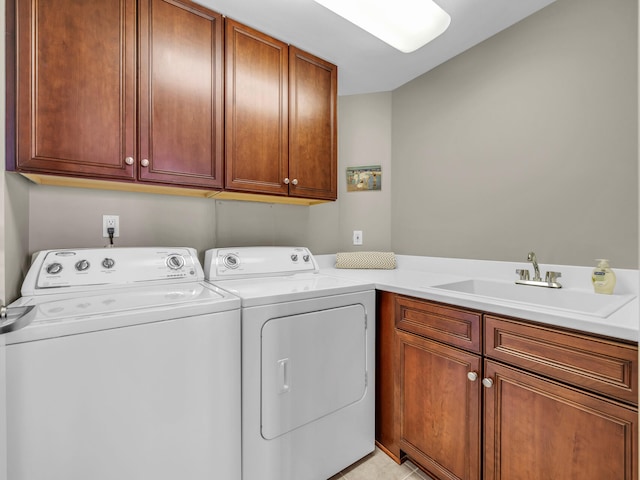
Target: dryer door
{"type": "Point", "coordinates": [313, 364]}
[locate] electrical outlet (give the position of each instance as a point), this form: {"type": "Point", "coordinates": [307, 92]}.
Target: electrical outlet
{"type": "Point", "coordinates": [110, 221]}
{"type": "Point", "coordinates": [357, 237]}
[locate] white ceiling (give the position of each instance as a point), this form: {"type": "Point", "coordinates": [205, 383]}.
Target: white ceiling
{"type": "Point", "coordinates": [366, 64]}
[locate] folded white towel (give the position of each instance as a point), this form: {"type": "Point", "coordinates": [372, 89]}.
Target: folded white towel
{"type": "Point", "coordinates": [381, 260]}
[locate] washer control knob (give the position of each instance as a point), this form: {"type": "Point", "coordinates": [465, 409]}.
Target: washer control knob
{"type": "Point", "coordinates": [175, 262]}
{"type": "Point", "coordinates": [82, 265]}
{"type": "Point", "coordinates": [294, 257]}
{"type": "Point", "coordinates": [306, 258]}
{"type": "Point", "coordinates": [54, 268]}
{"type": "Point", "coordinates": [108, 263]}
{"type": "Point", "coordinates": [231, 261]}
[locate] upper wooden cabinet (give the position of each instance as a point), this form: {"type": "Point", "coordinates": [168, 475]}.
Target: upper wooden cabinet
{"type": "Point", "coordinates": [135, 91]}
{"type": "Point", "coordinates": [181, 94]}
{"type": "Point", "coordinates": [76, 90]}
{"type": "Point", "coordinates": [313, 134]}
{"type": "Point", "coordinates": [257, 120]}
{"type": "Point", "coordinates": [76, 87]}
{"type": "Point", "coordinates": [281, 127]}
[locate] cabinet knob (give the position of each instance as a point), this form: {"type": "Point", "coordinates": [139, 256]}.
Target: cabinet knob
{"type": "Point", "coordinates": [487, 382]}
{"type": "Point", "coordinates": [144, 162]}
{"type": "Point", "coordinates": [473, 376]}
{"type": "Point", "coordinates": [286, 181]}
{"type": "Point", "coordinates": [294, 181]}
{"type": "Point", "coordinates": [128, 160]}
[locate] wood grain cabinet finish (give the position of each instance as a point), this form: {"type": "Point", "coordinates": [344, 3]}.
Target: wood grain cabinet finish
{"type": "Point", "coordinates": [76, 87]}
{"type": "Point", "coordinates": [257, 111]}
{"type": "Point", "coordinates": [386, 434]}
{"type": "Point", "coordinates": [438, 387]}
{"type": "Point", "coordinates": [454, 326]}
{"type": "Point", "coordinates": [161, 92]}
{"type": "Point", "coordinates": [281, 125]}
{"type": "Point", "coordinates": [550, 403]}
{"type": "Point", "coordinates": [539, 429]}
{"type": "Point", "coordinates": [181, 94]}
{"type": "Point", "coordinates": [77, 105]}
{"type": "Point", "coordinates": [600, 365]}
{"type": "Point", "coordinates": [439, 406]}
{"type": "Point", "coordinates": [313, 142]}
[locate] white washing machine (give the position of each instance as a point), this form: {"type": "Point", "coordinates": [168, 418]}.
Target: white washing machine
{"type": "Point", "coordinates": [128, 369]}
{"type": "Point", "coordinates": [308, 362]}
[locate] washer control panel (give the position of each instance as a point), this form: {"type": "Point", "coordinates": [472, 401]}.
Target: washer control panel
{"type": "Point", "coordinates": [55, 269]}
{"type": "Point", "coordinates": [240, 262]}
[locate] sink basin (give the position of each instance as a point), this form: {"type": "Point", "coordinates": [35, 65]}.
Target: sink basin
{"type": "Point", "coordinates": [581, 302]}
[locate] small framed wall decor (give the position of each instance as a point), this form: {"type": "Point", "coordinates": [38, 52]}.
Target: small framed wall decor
{"type": "Point", "coordinates": [360, 179]}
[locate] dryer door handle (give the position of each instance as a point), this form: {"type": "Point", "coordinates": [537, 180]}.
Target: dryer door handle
{"type": "Point", "coordinates": [283, 375]}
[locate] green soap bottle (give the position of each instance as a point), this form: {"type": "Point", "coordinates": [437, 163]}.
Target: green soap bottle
{"type": "Point", "coordinates": [603, 278]}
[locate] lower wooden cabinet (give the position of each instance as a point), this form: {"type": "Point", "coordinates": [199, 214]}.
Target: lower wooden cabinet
{"type": "Point", "coordinates": [538, 429]}
{"type": "Point", "coordinates": [477, 396]}
{"type": "Point", "coordinates": [439, 406]}
{"type": "Point", "coordinates": [386, 436]}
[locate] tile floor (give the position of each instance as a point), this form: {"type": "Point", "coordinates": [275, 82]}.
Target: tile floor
{"type": "Point", "coordinates": [378, 466]}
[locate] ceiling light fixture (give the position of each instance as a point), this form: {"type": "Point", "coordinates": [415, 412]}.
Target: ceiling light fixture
{"type": "Point", "coordinates": [404, 24]}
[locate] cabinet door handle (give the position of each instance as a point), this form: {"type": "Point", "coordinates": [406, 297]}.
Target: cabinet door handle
{"type": "Point", "coordinates": [294, 181]}
{"type": "Point", "coordinates": [472, 376]}
{"type": "Point", "coordinates": [286, 181]}
{"type": "Point", "coordinates": [144, 162]}
{"type": "Point", "coordinates": [128, 160]}
{"type": "Point", "coordinates": [487, 382]}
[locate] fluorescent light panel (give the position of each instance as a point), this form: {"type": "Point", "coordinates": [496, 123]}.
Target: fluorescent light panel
{"type": "Point", "coordinates": [404, 24]}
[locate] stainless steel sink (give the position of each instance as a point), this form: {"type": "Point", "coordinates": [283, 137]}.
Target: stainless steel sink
{"type": "Point", "coordinates": [574, 301]}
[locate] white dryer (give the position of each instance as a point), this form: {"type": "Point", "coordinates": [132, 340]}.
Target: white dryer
{"type": "Point", "coordinates": [307, 362]}
{"type": "Point", "coordinates": [129, 369]}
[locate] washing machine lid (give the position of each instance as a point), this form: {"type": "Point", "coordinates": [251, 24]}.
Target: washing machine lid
{"type": "Point", "coordinates": [71, 313]}
{"type": "Point", "coordinates": [278, 289]}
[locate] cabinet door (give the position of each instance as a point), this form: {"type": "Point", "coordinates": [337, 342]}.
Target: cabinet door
{"type": "Point", "coordinates": [537, 429]}
{"type": "Point", "coordinates": [313, 158]}
{"type": "Point", "coordinates": [256, 111]}
{"type": "Point", "coordinates": [181, 94]}
{"type": "Point", "coordinates": [76, 87]}
{"type": "Point", "coordinates": [439, 406]}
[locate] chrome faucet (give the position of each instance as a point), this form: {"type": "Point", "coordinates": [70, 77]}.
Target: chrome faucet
{"type": "Point", "coordinates": [531, 257]}
{"type": "Point", "coordinates": [550, 280]}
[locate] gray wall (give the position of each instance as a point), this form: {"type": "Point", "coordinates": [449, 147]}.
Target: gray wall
{"type": "Point", "coordinates": [364, 138]}
{"type": "Point", "coordinates": [526, 142]}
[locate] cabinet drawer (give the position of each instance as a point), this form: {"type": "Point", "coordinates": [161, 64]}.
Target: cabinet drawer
{"type": "Point", "coordinates": [454, 326]}
{"type": "Point", "coordinates": [602, 366]}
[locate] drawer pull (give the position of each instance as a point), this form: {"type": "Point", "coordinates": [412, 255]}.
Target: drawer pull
{"type": "Point", "coordinates": [487, 382]}
{"type": "Point", "coordinates": [472, 376]}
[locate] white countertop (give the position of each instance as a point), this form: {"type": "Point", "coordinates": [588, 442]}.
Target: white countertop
{"type": "Point", "coordinates": [418, 277]}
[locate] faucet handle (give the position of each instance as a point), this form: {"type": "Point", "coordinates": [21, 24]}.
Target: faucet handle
{"type": "Point", "coordinates": [524, 273]}
{"type": "Point", "coordinates": [551, 277]}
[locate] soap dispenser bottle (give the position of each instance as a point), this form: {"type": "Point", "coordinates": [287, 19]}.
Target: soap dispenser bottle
{"type": "Point", "coordinates": [603, 278]}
